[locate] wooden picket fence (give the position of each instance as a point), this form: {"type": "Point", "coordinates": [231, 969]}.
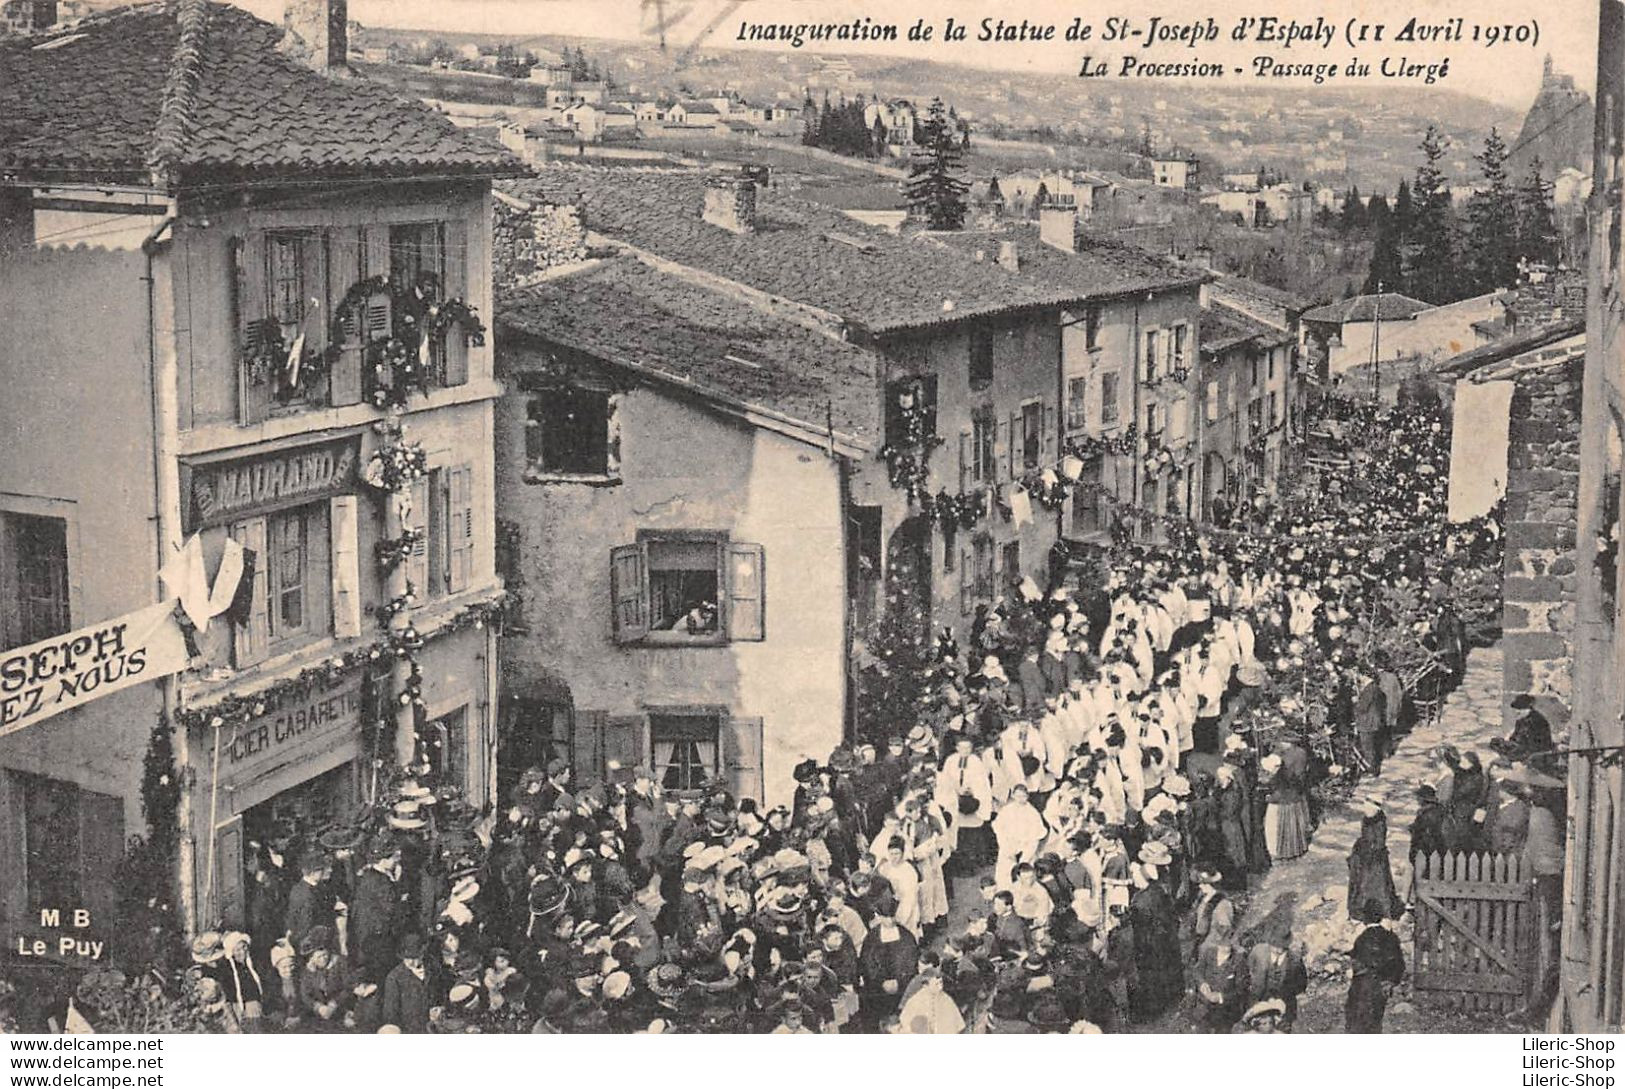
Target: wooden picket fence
{"type": "Point", "coordinates": [1475, 919]}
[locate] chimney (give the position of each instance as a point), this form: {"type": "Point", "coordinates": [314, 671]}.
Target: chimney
{"type": "Point", "coordinates": [1058, 226]}
{"type": "Point", "coordinates": [730, 201]}
{"type": "Point", "coordinates": [1008, 258]}
{"type": "Point", "coordinates": [317, 34]}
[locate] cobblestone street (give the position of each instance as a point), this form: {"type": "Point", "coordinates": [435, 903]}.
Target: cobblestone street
{"type": "Point", "coordinates": [1314, 887]}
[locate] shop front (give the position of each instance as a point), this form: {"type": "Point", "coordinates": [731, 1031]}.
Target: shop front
{"type": "Point", "coordinates": [275, 778]}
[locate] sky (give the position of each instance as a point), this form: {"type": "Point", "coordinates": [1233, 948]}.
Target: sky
{"type": "Point", "coordinates": [1507, 74]}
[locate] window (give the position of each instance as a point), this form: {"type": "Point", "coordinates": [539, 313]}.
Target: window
{"type": "Point", "coordinates": [568, 432]}
{"type": "Point", "coordinates": [684, 587]}
{"type": "Point", "coordinates": [685, 749]}
{"type": "Point", "coordinates": [71, 840]}
{"type": "Point", "coordinates": [981, 358]}
{"type": "Point", "coordinates": [34, 575]}
{"type": "Point", "coordinates": [1091, 327]}
{"type": "Point", "coordinates": [1176, 491]}
{"type": "Point", "coordinates": [1108, 400]}
{"type": "Point", "coordinates": [1012, 566]}
{"type": "Point", "coordinates": [292, 581]}
{"type": "Point", "coordinates": [904, 398]}
{"type": "Point", "coordinates": [1255, 417]}
{"type": "Point", "coordinates": [976, 573]}
{"type": "Point", "coordinates": [1153, 424]}
{"type": "Point", "coordinates": [1181, 336]}
{"type": "Point", "coordinates": [535, 732]}
{"type": "Point", "coordinates": [448, 748]}
{"type": "Point", "coordinates": [1212, 401]}
{"type": "Point", "coordinates": [1087, 499]}
{"type": "Point", "coordinates": [297, 566]}
{"type": "Point", "coordinates": [1275, 407]}
{"type": "Point", "coordinates": [1151, 345]}
{"type": "Point", "coordinates": [984, 438]}
{"type": "Point", "coordinates": [417, 253]}
{"type": "Point", "coordinates": [285, 280]}
{"type": "Point", "coordinates": [1257, 367]}
{"type": "Point", "coordinates": [442, 561]}
{"type": "Point", "coordinates": [1077, 404]}
{"type": "Point", "coordinates": [1273, 354]}
{"type": "Point", "coordinates": [1032, 433]}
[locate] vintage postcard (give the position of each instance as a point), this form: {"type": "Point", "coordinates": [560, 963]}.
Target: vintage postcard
{"type": "Point", "coordinates": [789, 517]}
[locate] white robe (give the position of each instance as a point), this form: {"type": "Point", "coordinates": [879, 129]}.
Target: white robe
{"type": "Point", "coordinates": [965, 775]}
{"type": "Point", "coordinates": [1019, 830]}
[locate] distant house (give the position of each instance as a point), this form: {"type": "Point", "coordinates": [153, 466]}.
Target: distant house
{"type": "Point", "coordinates": [1180, 171]}
{"type": "Point", "coordinates": [693, 112]}
{"type": "Point", "coordinates": [1242, 180]}
{"type": "Point", "coordinates": [897, 117]}
{"type": "Point", "coordinates": [550, 75]}
{"type": "Point", "coordinates": [1369, 329]}
{"type": "Point", "coordinates": [619, 117]}
{"type": "Point", "coordinates": [586, 119]}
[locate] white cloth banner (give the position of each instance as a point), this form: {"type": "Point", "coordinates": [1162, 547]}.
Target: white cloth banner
{"type": "Point", "coordinates": [1478, 447]}
{"type": "Point", "coordinates": [48, 677]}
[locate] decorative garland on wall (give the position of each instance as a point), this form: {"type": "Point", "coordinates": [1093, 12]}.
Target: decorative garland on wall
{"type": "Point", "coordinates": [908, 461]}
{"type": "Point", "coordinates": [397, 362]}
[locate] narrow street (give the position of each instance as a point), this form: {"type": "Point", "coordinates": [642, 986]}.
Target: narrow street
{"type": "Point", "coordinates": [1314, 887]}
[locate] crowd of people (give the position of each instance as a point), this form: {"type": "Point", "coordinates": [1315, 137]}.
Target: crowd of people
{"type": "Point", "coordinates": [1055, 843]}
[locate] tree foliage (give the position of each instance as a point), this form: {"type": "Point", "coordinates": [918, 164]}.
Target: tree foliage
{"type": "Point", "coordinates": [935, 188]}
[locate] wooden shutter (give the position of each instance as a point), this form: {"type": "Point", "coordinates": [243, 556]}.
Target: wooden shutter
{"type": "Point", "coordinates": [460, 530]}
{"type": "Point", "coordinates": [226, 898]}
{"type": "Point", "coordinates": [625, 741]}
{"type": "Point", "coordinates": [964, 459]}
{"type": "Point", "coordinates": [253, 638]}
{"type": "Point", "coordinates": [318, 571]}
{"type": "Point", "coordinates": [375, 252]}
{"type": "Point", "coordinates": [1001, 448]}
{"type": "Point", "coordinates": [101, 846]}
{"type": "Point", "coordinates": [456, 287]}
{"type": "Point", "coordinates": [587, 745]}
{"type": "Point", "coordinates": [747, 593]}
{"type": "Point", "coordinates": [417, 564]}
{"type": "Point", "coordinates": [967, 580]}
{"type": "Point", "coordinates": [346, 567]}
{"type": "Point", "coordinates": [1046, 437]}
{"type": "Point", "coordinates": [316, 296]}
{"type": "Point", "coordinates": [742, 756]}
{"type": "Point", "coordinates": [253, 397]}
{"type": "Point", "coordinates": [343, 272]}
{"type": "Point", "coordinates": [629, 592]}
{"type": "Point", "coordinates": [1013, 446]}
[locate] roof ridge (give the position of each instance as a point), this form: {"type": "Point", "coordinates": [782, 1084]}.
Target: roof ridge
{"type": "Point", "coordinates": [180, 88]}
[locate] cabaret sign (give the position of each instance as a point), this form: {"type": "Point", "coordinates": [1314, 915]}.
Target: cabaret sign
{"type": "Point", "coordinates": [51, 676]}
{"type": "Point", "coordinates": [227, 490]}
{"type": "Point", "coordinates": [294, 724]}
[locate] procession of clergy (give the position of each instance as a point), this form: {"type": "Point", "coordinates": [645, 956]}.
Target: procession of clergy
{"type": "Point", "coordinates": [1051, 845]}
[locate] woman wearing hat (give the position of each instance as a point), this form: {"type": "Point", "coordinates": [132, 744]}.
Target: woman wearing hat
{"type": "Point", "coordinates": [241, 980]}
{"type": "Point", "coordinates": [1371, 895]}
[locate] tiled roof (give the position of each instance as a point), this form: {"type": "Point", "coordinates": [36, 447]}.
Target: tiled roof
{"type": "Point", "coordinates": [1222, 328]}
{"type": "Point", "coordinates": [1224, 283]}
{"type": "Point", "coordinates": [1100, 268]}
{"type": "Point", "coordinates": [199, 90]}
{"type": "Point", "coordinates": [1509, 346]}
{"type": "Point", "coordinates": [1393, 307]}
{"type": "Point", "coordinates": [800, 251]}
{"type": "Point", "coordinates": [623, 312]}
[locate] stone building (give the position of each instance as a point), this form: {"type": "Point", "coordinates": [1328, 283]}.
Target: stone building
{"type": "Point", "coordinates": [1591, 997]}
{"type": "Point", "coordinates": [205, 371]}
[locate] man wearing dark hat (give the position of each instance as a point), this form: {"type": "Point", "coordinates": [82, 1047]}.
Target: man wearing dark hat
{"type": "Point", "coordinates": [1379, 964]}
{"type": "Point", "coordinates": [888, 960]}
{"type": "Point", "coordinates": [310, 904]}
{"type": "Point", "coordinates": [406, 989]}
{"type": "Point", "coordinates": [380, 911]}
{"type": "Point", "coordinates": [1531, 733]}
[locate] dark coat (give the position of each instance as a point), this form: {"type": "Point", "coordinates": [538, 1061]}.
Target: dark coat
{"type": "Point", "coordinates": [1379, 962]}
{"type": "Point", "coordinates": [308, 906]}
{"type": "Point", "coordinates": [376, 920]}
{"type": "Point", "coordinates": [1158, 967]}
{"type": "Point", "coordinates": [406, 1000]}
{"type": "Point", "coordinates": [1427, 831]}
{"type": "Point", "coordinates": [1371, 881]}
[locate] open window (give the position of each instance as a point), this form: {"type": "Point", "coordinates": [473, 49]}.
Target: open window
{"type": "Point", "coordinates": [570, 434]}
{"type": "Point", "coordinates": [694, 587]}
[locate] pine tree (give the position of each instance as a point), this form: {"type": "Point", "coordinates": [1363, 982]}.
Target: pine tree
{"type": "Point", "coordinates": [1537, 236]}
{"type": "Point", "coordinates": [1353, 211]}
{"type": "Point", "coordinates": [1430, 268]}
{"type": "Point", "coordinates": [1387, 271]}
{"type": "Point", "coordinates": [934, 189]}
{"type": "Point", "coordinates": [1492, 217]}
{"type": "Point", "coordinates": [1040, 198]}
{"type": "Point", "coordinates": [809, 122]}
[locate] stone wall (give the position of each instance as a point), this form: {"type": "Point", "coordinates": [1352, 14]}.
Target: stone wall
{"type": "Point", "coordinates": [528, 239]}
{"type": "Point", "coordinates": [1543, 469]}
